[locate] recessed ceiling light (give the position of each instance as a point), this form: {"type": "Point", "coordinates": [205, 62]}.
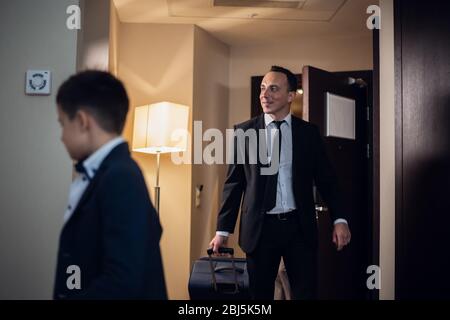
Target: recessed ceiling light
{"type": "Point", "coordinates": [279, 4]}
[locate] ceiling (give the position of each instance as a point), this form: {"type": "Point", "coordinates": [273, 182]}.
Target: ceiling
{"type": "Point", "coordinates": [244, 22]}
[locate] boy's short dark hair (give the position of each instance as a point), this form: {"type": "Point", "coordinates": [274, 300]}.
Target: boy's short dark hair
{"type": "Point", "coordinates": [99, 93]}
{"type": "Point", "coordinates": [292, 79]}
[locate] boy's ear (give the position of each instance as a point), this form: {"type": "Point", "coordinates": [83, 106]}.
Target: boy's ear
{"type": "Point", "coordinates": [83, 119]}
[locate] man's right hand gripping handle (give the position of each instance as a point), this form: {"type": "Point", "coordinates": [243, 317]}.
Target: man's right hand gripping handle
{"type": "Point", "coordinates": [217, 242]}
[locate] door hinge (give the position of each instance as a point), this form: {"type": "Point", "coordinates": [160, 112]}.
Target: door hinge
{"type": "Point", "coordinates": [368, 151]}
{"type": "Point", "coordinates": [368, 113]}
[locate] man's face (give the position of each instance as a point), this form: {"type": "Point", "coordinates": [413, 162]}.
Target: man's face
{"type": "Point", "coordinates": [73, 135]}
{"type": "Point", "coordinates": [275, 96]}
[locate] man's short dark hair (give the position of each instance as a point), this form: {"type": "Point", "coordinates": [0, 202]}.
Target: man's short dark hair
{"type": "Point", "coordinates": [99, 93]}
{"type": "Point", "coordinates": [292, 79]}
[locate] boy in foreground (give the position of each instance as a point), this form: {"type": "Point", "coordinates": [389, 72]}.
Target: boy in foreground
{"type": "Point", "coordinates": [109, 244]}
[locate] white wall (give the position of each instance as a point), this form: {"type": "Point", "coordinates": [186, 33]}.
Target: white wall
{"type": "Point", "coordinates": [35, 170]}
{"type": "Point", "coordinates": [332, 54]}
{"type": "Point", "coordinates": [387, 151]}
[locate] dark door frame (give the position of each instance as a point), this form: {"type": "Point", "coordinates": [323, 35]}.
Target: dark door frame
{"type": "Point", "coordinates": [422, 150]}
{"type": "Point", "coordinates": [398, 144]}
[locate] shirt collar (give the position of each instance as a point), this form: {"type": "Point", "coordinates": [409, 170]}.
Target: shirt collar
{"type": "Point", "coordinates": [268, 119]}
{"type": "Point", "coordinates": [93, 162]}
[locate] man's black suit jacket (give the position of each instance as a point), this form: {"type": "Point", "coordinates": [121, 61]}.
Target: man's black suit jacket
{"type": "Point", "coordinates": [309, 164]}
{"type": "Point", "coordinates": [113, 237]}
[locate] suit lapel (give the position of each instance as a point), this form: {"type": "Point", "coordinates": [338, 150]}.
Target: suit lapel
{"type": "Point", "coordinates": [116, 152]}
{"type": "Point", "coordinates": [260, 125]}
{"type": "Point", "coordinates": [260, 179]}
{"type": "Point", "coordinates": [260, 122]}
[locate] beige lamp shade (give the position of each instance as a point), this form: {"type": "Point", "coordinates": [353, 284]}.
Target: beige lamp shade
{"type": "Point", "coordinates": [160, 128]}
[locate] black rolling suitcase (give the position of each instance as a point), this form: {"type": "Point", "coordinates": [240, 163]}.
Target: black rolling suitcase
{"type": "Point", "coordinates": [219, 278]}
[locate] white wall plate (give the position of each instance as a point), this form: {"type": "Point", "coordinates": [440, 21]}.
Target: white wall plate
{"type": "Point", "coordinates": [38, 82]}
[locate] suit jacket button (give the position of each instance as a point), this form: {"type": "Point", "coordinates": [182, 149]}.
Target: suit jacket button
{"type": "Point", "coordinates": [61, 296]}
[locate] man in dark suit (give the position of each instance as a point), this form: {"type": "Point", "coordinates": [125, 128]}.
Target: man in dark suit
{"type": "Point", "coordinates": [278, 211]}
{"type": "Point", "coordinates": [109, 245]}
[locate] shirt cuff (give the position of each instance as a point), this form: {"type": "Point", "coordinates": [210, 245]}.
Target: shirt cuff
{"type": "Point", "coordinates": [340, 221]}
{"type": "Point", "coordinates": [222, 233]}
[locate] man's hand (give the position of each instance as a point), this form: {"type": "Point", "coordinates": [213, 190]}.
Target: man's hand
{"type": "Point", "coordinates": [341, 235]}
{"type": "Point", "coordinates": [218, 242]}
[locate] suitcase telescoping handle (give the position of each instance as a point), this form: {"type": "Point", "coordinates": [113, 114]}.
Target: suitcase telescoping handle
{"type": "Point", "coordinates": [223, 250]}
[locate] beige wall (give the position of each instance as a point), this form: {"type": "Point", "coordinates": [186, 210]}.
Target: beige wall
{"type": "Point", "coordinates": [114, 25]}
{"type": "Point", "coordinates": [34, 166]}
{"type": "Point", "coordinates": [156, 64]}
{"type": "Point", "coordinates": [387, 152]}
{"type": "Point", "coordinates": [93, 37]}
{"type": "Point", "coordinates": [211, 68]}
{"type": "Point", "coordinates": [183, 64]}
{"type": "Point", "coordinates": [332, 54]}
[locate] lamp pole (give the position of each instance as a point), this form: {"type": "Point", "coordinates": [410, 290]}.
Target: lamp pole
{"type": "Point", "coordinates": [157, 190]}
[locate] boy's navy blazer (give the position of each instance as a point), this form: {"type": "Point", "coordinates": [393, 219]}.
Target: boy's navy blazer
{"type": "Point", "coordinates": [113, 237]}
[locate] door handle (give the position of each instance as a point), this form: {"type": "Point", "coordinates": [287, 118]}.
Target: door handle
{"type": "Point", "coordinates": [321, 208]}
